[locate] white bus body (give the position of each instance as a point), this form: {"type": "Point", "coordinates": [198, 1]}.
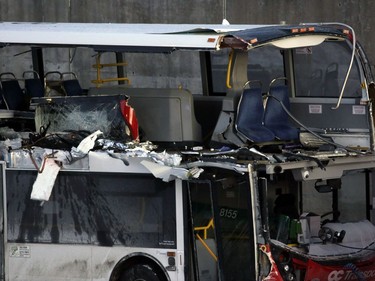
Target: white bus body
{"type": "Point", "coordinates": [250, 155]}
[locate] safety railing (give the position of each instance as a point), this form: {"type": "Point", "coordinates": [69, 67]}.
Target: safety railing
{"type": "Point", "coordinates": [205, 229]}
{"type": "Point", "coordinates": [99, 66]}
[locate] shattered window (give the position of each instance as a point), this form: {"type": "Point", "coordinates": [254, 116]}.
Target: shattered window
{"type": "Point", "coordinates": [83, 114]}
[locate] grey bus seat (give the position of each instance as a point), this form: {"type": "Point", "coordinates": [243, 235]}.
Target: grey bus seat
{"type": "Point", "coordinates": [33, 85]}
{"type": "Point", "coordinates": [71, 86]}
{"type": "Point", "coordinates": [249, 120]}
{"type": "Point", "coordinates": [13, 94]}
{"type": "Point", "coordinates": [276, 118]}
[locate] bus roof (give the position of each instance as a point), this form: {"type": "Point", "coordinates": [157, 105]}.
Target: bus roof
{"type": "Point", "coordinates": [162, 37]}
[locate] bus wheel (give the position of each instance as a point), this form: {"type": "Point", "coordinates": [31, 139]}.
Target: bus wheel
{"type": "Point", "coordinates": [141, 272]}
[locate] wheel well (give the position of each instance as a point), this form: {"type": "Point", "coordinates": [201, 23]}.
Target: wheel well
{"type": "Point", "coordinates": [138, 258]}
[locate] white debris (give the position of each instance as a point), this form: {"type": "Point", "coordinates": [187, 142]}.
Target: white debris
{"type": "Point", "coordinates": [165, 158]}
{"type": "Point", "coordinates": [88, 142]}
{"type": "Point", "coordinates": [166, 173]}
{"type": "Point", "coordinates": [225, 22]}
{"type": "Point", "coordinates": [45, 180]}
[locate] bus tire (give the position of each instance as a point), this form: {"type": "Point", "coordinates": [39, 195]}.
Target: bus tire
{"type": "Point", "coordinates": [141, 272]}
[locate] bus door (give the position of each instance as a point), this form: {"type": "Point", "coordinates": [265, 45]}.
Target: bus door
{"type": "Point", "coordinates": [223, 228]}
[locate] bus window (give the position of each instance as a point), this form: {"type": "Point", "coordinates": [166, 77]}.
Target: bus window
{"type": "Point", "coordinates": [320, 71]}
{"type": "Point", "coordinates": [219, 63]}
{"type": "Point", "coordinates": [175, 70]}
{"type": "Point", "coordinates": [103, 209]}
{"type": "Point", "coordinates": [265, 64]}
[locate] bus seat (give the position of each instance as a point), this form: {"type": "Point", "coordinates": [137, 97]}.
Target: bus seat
{"type": "Point", "coordinates": [275, 117]}
{"type": "Point", "coordinates": [249, 121]}
{"type": "Point", "coordinates": [33, 85]}
{"type": "Point", "coordinates": [53, 84]}
{"type": "Point", "coordinates": [71, 86]}
{"type": "Point", "coordinates": [13, 94]}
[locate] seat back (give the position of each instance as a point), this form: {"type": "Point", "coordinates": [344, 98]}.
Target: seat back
{"type": "Point", "coordinates": [12, 92]}
{"type": "Point", "coordinates": [53, 84]}
{"type": "Point", "coordinates": [33, 85]}
{"type": "Point", "coordinates": [71, 86]}
{"type": "Point", "coordinates": [249, 120]}
{"type": "Point", "coordinates": [275, 117]}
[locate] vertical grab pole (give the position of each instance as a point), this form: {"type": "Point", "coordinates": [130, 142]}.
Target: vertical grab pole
{"type": "Point", "coordinates": [254, 204]}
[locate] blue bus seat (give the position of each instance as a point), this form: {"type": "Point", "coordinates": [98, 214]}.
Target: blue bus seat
{"type": "Point", "coordinates": [72, 86]}
{"type": "Point", "coordinates": [276, 118]}
{"type": "Point", "coordinates": [33, 85]}
{"type": "Point", "coordinates": [249, 120]}
{"type": "Point", "coordinates": [13, 94]}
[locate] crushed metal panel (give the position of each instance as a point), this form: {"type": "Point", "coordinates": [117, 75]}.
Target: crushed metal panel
{"type": "Point", "coordinates": [251, 38]}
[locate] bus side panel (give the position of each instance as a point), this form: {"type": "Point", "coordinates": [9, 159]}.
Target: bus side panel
{"type": "Point", "coordinates": [89, 216]}
{"type": "Point", "coordinates": [48, 262]}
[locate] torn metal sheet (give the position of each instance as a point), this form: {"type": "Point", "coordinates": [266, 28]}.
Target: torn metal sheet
{"type": "Point", "coordinates": [165, 158]}
{"type": "Point", "coordinates": [45, 180]}
{"type": "Point", "coordinates": [102, 161]}
{"type": "Point", "coordinates": [88, 143]}
{"type": "Point", "coordinates": [107, 144]}
{"type": "Point", "coordinates": [167, 173]}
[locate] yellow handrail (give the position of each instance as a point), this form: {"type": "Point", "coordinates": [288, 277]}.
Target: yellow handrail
{"type": "Point", "coordinates": [102, 65]}
{"type": "Point", "coordinates": [205, 228]}
{"type": "Point", "coordinates": [212, 254]}
{"type": "Point", "coordinates": [106, 80]}
{"type": "Point", "coordinates": [229, 69]}
{"type": "Point", "coordinates": [98, 81]}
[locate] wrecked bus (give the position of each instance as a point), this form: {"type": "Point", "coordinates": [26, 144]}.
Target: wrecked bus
{"type": "Point", "coordinates": [254, 161]}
